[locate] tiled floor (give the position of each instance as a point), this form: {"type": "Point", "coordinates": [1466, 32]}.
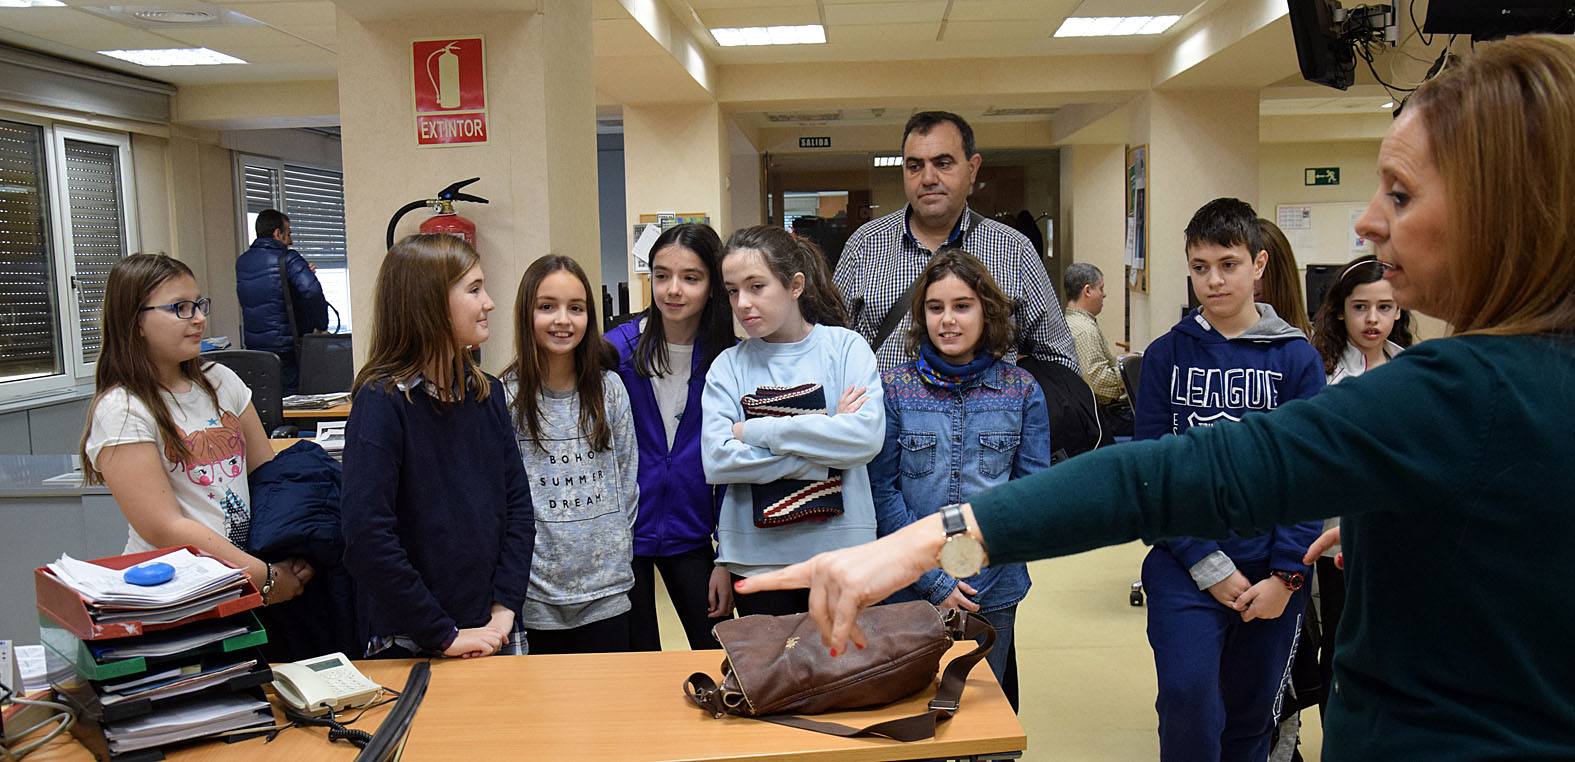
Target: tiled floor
{"type": "Point", "coordinates": [1086, 673]}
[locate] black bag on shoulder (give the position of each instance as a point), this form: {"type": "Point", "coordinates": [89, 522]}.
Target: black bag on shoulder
{"type": "Point", "coordinates": [1074, 419]}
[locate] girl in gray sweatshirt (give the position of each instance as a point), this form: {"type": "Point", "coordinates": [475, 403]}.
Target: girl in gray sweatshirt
{"type": "Point", "coordinates": [576, 437]}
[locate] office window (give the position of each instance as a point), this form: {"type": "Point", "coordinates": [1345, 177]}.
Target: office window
{"type": "Point", "coordinates": [29, 332]}
{"type": "Point", "coordinates": [97, 232]}
{"type": "Point", "coordinates": [64, 222]}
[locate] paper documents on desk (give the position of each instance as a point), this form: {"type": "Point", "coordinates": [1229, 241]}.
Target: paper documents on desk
{"type": "Point", "coordinates": [169, 643]}
{"type": "Point", "coordinates": [314, 401]}
{"type": "Point", "coordinates": [199, 581]}
{"type": "Point", "coordinates": [194, 720]}
{"type": "Point", "coordinates": [182, 682]}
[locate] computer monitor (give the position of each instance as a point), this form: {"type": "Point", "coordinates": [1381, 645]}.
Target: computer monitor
{"type": "Point", "coordinates": [389, 739]}
{"type": "Point", "coordinates": [1492, 19]}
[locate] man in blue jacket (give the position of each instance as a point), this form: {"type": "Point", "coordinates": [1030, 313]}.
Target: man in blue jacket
{"type": "Point", "coordinates": [262, 274]}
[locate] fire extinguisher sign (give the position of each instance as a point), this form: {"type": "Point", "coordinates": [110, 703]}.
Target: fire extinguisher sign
{"type": "Point", "coordinates": [450, 87]}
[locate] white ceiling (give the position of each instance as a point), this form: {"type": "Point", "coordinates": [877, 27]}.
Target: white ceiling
{"type": "Point", "coordinates": [280, 41]}
{"type": "Point", "coordinates": [864, 30]}
{"type": "Point", "coordinates": [292, 40]}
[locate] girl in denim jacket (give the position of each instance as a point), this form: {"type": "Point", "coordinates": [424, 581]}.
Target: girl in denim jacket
{"type": "Point", "coordinates": [959, 421]}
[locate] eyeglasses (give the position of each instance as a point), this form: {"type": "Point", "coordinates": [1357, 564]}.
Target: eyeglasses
{"type": "Point", "coordinates": [184, 309]}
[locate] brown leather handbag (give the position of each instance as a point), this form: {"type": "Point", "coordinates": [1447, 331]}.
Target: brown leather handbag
{"type": "Point", "coordinates": [776, 668]}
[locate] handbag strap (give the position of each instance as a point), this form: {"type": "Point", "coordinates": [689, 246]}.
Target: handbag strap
{"type": "Point", "coordinates": [893, 318]}
{"type": "Point", "coordinates": [703, 691]}
{"type": "Point", "coordinates": [289, 303]}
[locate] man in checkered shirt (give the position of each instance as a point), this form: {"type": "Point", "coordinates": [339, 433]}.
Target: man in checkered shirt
{"type": "Point", "coordinates": [886, 255]}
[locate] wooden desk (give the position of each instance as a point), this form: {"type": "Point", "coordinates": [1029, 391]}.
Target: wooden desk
{"type": "Point", "coordinates": [610, 708]}
{"type": "Point", "coordinates": [280, 445]}
{"type": "Point", "coordinates": [337, 412]}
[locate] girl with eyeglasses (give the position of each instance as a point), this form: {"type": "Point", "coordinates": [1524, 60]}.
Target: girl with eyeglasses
{"type": "Point", "coordinates": [173, 437]}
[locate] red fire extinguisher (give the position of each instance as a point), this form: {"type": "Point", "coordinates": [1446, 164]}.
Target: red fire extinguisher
{"type": "Point", "coordinates": [444, 218]}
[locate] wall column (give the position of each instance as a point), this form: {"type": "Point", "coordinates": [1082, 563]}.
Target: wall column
{"type": "Point", "coordinates": [1093, 218]}
{"type": "Point", "coordinates": [1201, 146]}
{"type": "Point", "coordinates": [538, 168]}
{"type": "Point", "coordinates": [676, 159]}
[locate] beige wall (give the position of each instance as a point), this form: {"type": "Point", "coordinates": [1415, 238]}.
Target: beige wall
{"type": "Point", "coordinates": [746, 199]}
{"type": "Point", "coordinates": [1280, 172]}
{"type": "Point", "coordinates": [1093, 216]}
{"type": "Point", "coordinates": [1202, 145]}
{"type": "Point", "coordinates": [538, 169]}
{"type": "Point", "coordinates": [675, 159]}
{"type": "Point", "coordinates": [196, 197]}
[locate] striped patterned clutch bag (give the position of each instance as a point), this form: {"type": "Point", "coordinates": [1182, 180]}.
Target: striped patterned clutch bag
{"type": "Point", "coordinates": [788, 501]}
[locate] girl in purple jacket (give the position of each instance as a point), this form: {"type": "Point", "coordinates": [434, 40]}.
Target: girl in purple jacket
{"type": "Point", "coordinates": [664, 354]}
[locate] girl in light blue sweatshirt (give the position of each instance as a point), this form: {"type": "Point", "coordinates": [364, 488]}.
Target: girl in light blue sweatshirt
{"type": "Point", "coordinates": [791, 417]}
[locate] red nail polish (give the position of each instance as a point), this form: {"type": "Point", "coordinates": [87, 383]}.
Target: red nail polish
{"type": "Point", "coordinates": [860, 645]}
{"type": "Point", "coordinates": [739, 585]}
{"type": "Point", "coordinates": [833, 652]}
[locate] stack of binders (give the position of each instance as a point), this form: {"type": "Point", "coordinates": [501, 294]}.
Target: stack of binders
{"type": "Point", "coordinates": [147, 668]}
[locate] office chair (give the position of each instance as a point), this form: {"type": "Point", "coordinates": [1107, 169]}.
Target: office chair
{"type": "Point", "coordinates": [262, 374]}
{"type": "Point", "coordinates": [326, 364]}
{"type": "Point", "coordinates": [1131, 371]}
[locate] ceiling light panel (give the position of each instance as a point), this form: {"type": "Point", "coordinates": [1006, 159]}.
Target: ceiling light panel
{"type": "Point", "coordinates": [173, 57]}
{"type": "Point", "coordinates": [1114, 26]}
{"type": "Point", "coordinates": [806, 34]}
{"type": "Point", "coordinates": [887, 161]}
{"type": "Point", "coordinates": [31, 4]}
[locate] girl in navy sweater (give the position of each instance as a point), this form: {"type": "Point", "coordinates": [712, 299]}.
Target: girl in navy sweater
{"type": "Point", "coordinates": [664, 354]}
{"type": "Point", "coordinates": [437, 515]}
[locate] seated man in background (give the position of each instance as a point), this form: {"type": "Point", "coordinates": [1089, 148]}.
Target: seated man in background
{"type": "Point", "coordinates": [1085, 299]}
{"type": "Point", "coordinates": [281, 299]}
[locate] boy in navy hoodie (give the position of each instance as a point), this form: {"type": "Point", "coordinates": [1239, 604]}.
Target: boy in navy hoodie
{"type": "Point", "coordinates": [1223, 615]}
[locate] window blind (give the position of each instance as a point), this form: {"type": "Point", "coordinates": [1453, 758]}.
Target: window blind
{"type": "Point", "coordinates": [261, 189]}
{"type": "Point", "coordinates": [29, 336]}
{"type": "Point", "coordinates": [314, 200]}
{"type": "Point", "coordinates": [98, 236]}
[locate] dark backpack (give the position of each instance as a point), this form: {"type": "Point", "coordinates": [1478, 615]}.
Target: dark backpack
{"type": "Point", "coordinates": [1074, 422]}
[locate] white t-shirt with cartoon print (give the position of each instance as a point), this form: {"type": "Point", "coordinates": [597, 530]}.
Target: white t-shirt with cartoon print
{"type": "Point", "coordinates": [210, 485]}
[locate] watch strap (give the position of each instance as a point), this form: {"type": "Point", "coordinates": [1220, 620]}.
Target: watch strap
{"type": "Point", "coordinates": [952, 520]}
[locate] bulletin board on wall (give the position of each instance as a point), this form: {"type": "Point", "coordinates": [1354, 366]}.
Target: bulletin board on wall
{"type": "Point", "coordinates": [1323, 234]}
{"type": "Point", "coordinates": [640, 255]}
{"type": "Point", "coordinates": [662, 221]}
{"type": "Point", "coordinates": [1135, 254]}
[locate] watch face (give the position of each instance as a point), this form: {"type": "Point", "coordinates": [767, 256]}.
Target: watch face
{"type": "Point", "coordinates": [962, 556]}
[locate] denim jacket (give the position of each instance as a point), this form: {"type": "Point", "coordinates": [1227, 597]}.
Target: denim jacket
{"type": "Point", "coordinates": [945, 446]}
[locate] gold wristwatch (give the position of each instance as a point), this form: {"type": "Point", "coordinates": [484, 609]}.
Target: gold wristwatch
{"type": "Point", "coordinates": [962, 555]}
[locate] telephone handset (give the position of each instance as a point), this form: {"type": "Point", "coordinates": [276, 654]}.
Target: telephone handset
{"type": "Point", "coordinates": [323, 684]}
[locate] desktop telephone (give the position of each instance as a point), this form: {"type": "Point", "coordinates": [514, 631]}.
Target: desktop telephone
{"type": "Point", "coordinates": [326, 683]}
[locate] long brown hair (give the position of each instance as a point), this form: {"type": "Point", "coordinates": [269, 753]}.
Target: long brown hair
{"type": "Point", "coordinates": [1282, 290]}
{"type": "Point", "coordinates": [411, 331]}
{"type": "Point", "coordinates": [786, 255]}
{"type": "Point", "coordinates": [591, 357]}
{"type": "Point", "coordinates": [999, 328]}
{"type": "Point", "coordinates": [123, 359]}
{"type": "Point", "coordinates": [1498, 128]}
{"type": "Point", "coordinates": [1331, 336]}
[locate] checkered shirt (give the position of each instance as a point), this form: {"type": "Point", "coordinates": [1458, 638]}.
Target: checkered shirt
{"type": "Point", "coordinates": [881, 259]}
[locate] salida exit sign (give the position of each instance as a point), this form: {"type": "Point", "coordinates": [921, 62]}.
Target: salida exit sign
{"type": "Point", "coordinates": [1322, 176]}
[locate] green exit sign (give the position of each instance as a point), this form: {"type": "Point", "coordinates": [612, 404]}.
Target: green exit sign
{"type": "Point", "coordinates": [1322, 176]}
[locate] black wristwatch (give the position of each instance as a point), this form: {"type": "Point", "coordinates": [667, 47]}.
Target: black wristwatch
{"type": "Point", "coordinates": [1293, 579]}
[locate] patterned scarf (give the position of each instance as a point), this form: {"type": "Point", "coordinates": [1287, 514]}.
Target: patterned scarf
{"type": "Point", "coordinates": [936, 371]}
